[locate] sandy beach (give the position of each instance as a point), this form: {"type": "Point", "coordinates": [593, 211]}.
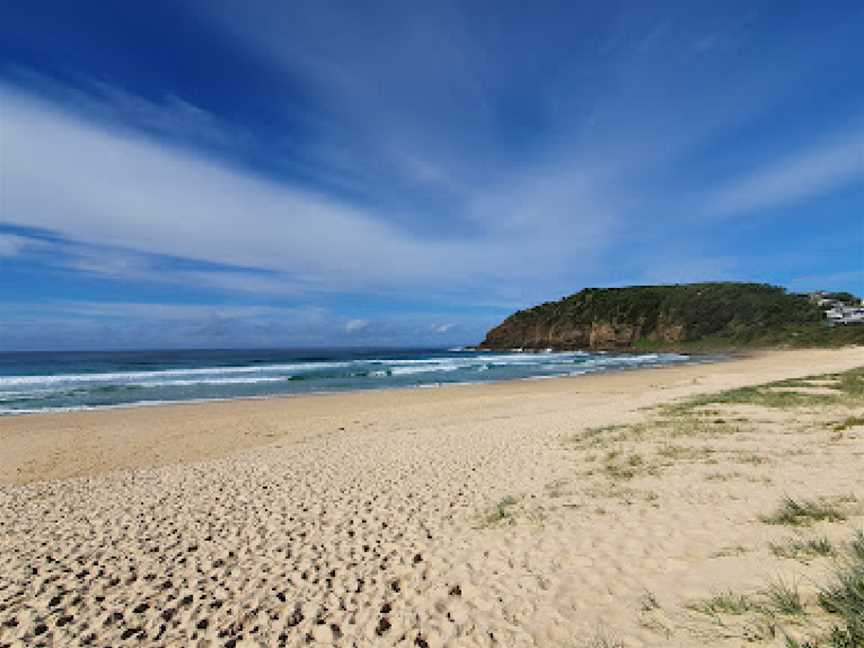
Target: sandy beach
{"type": "Point", "coordinates": [601, 511]}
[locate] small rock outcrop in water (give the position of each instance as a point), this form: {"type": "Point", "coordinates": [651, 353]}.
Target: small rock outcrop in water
{"type": "Point", "coordinates": [672, 316]}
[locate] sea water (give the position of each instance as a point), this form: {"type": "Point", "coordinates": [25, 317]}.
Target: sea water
{"type": "Point", "coordinates": [38, 382]}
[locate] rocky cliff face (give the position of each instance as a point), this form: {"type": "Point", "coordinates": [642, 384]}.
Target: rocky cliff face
{"type": "Point", "coordinates": [619, 318]}
{"type": "Point", "coordinates": [601, 335]}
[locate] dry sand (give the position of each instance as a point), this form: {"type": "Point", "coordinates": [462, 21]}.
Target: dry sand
{"type": "Point", "coordinates": [491, 515]}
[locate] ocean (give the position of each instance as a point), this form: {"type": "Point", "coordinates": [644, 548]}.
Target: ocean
{"type": "Point", "coordinates": [66, 381]}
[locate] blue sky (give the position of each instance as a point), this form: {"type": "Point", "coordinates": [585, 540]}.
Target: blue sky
{"type": "Point", "coordinates": [232, 173]}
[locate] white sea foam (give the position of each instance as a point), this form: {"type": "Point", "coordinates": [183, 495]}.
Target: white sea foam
{"type": "Point", "coordinates": [409, 363]}
{"type": "Point", "coordinates": [8, 411]}
{"type": "Point", "coordinates": [407, 371]}
{"type": "Point", "coordinates": [5, 411]}
{"type": "Point", "coordinates": [125, 376]}
{"type": "Point", "coordinates": [211, 381]}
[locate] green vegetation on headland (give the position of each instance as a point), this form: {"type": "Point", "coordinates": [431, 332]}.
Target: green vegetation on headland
{"type": "Point", "coordinates": [700, 317]}
{"type": "Point", "coordinates": [799, 337]}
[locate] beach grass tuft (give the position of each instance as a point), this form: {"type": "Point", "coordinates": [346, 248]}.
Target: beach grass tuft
{"type": "Point", "coordinates": [845, 598]}
{"type": "Point", "coordinates": [797, 548]}
{"type": "Point", "coordinates": [851, 383]}
{"type": "Point", "coordinates": [792, 512]}
{"type": "Point", "coordinates": [648, 601]}
{"type": "Point", "coordinates": [732, 550]}
{"type": "Point", "coordinates": [503, 511]}
{"type": "Point", "coordinates": [626, 468]}
{"type": "Point", "coordinates": [784, 598]}
{"type": "Point", "coordinates": [724, 603]}
{"type": "Point", "coordinates": [602, 640]}
{"type": "Point", "coordinates": [849, 422]}
{"type": "Point", "coordinates": [857, 547]}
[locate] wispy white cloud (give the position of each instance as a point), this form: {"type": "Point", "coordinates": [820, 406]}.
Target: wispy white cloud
{"type": "Point", "coordinates": [12, 245]}
{"type": "Point", "coordinates": [356, 325]}
{"type": "Point", "coordinates": [124, 265]}
{"type": "Point", "coordinates": [802, 175]}
{"type": "Point", "coordinates": [102, 103]}
{"type": "Point", "coordinates": [110, 187]}
{"type": "Point", "coordinates": [172, 311]}
{"type": "Point", "coordinates": [113, 188]}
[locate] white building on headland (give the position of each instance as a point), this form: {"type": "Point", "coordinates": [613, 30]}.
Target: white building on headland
{"type": "Point", "coordinates": [838, 311]}
{"type": "Point", "coordinates": [845, 315]}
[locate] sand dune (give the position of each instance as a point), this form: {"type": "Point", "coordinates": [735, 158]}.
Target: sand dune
{"type": "Point", "coordinates": [494, 515]}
